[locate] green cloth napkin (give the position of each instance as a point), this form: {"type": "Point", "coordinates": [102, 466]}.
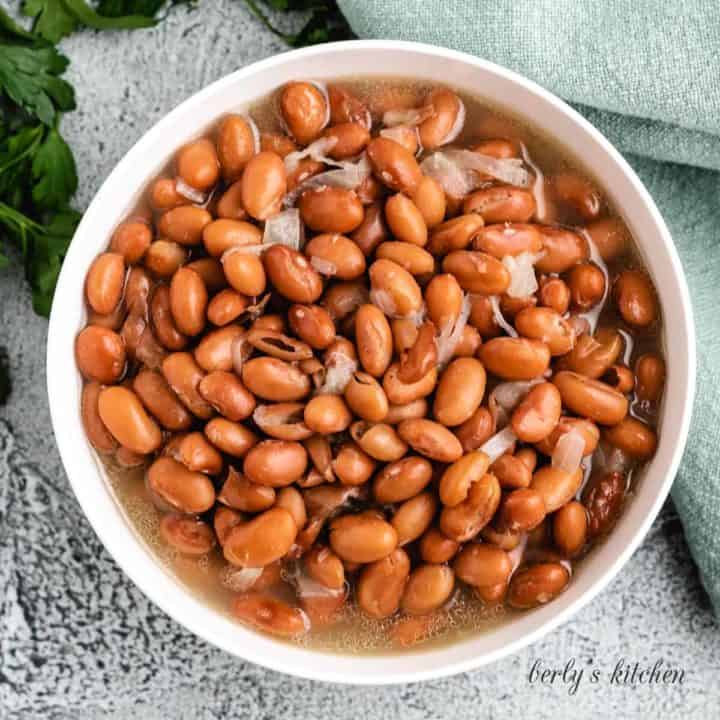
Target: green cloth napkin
{"type": "Point", "coordinates": [647, 74]}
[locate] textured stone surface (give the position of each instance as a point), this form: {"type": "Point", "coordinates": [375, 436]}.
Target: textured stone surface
{"type": "Point", "coordinates": [78, 640]}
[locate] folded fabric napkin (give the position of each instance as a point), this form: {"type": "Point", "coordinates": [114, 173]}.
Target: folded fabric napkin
{"type": "Point", "coordinates": [647, 74]}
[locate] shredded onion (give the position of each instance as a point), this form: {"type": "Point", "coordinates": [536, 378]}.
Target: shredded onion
{"type": "Point", "coordinates": [188, 191]}
{"type": "Point", "coordinates": [317, 150]}
{"type": "Point", "coordinates": [285, 228]}
{"type": "Point", "coordinates": [255, 131]}
{"type": "Point", "coordinates": [413, 116]}
{"type": "Point", "coordinates": [398, 133]}
{"type": "Point", "coordinates": [383, 300]}
{"type": "Point", "coordinates": [339, 369]}
{"type": "Point", "coordinates": [455, 181]}
{"type": "Point", "coordinates": [500, 318]}
{"type": "Point", "coordinates": [458, 125]}
{"type": "Point", "coordinates": [506, 396]}
{"type": "Point", "coordinates": [349, 177]}
{"type": "Point", "coordinates": [254, 311]}
{"type": "Point", "coordinates": [611, 459]}
{"type": "Point", "coordinates": [516, 554]}
{"type": "Point", "coordinates": [242, 579]}
{"type": "Point", "coordinates": [499, 444]}
{"type": "Point", "coordinates": [522, 273]}
{"type": "Point", "coordinates": [323, 266]}
{"type": "Point", "coordinates": [451, 334]}
{"type": "Point", "coordinates": [568, 452]}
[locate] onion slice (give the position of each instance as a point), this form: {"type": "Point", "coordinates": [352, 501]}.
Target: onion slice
{"type": "Point", "coordinates": [499, 444]}
{"type": "Point", "coordinates": [348, 177]}
{"type": "Point", "coordinates": [323, 266]}
{"type": "Point", "coordinates": [451, 333]}
{"type": "Point", "coordinates": [506, 396]}
{"type": "Point", "coordinates": [188, 191]}
{"type": "Point", "coordinates": [568, 452]}
{"type": "Point", "coordinates": [339, 369]}
{"type": "Point", "coordinates": [413, 116]}
{"type": "Point", "coordinates": [241, 579]}
{"type": "Point", "coordinates": [500, 318]}
{"type": "Point", "coordinates": [285, 228]}
{"type": "Point", "coordinates": [522, 274]}
{"type": "Point", "coordinates": [316, 150]}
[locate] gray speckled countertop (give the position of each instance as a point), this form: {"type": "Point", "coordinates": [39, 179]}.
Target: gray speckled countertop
{"type": "Point", "coordinates": [79, 640]}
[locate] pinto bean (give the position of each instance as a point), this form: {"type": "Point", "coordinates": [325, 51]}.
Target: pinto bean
{"type": "Point", "coordinates": [105, 282]}
{"type": "Point", "coordinates": [464, 521]}
{"type": "Point", "coordinates": [635, 298]}
{"type": "Point", "coordinates": [430, 439]}
{"type": "Point", "coordinates": [276, 463]}
{"type": "Point", "coordinates": [362, 538]}
{"type": "Point", "coordinates": [98, 434]}
{"type": "Point", "coordinates": [182, 489]}
{"type": "Point", "coordinates": [263, 185]}
{"type": "Point", "coordinates": [515, 358]}
{"type": "Point", "coordinates": [459, 392]}
{"type": "Point", "coordinates": [428, 588]}
{"type": "Point", "coordinates": [477, 272]}
{"type": "Point", "coordinates": [261, 541]}
{"type": "Point", "coordinates": [591, 398]}
{"type": "Point", "coordinates": [381, 584]}
{"type": "Point", "coordinates": [393, 165]}
{"type": "Point", "coordinates": [556, 486]}
{"type": "Point", "coordinates": [537, 584]}
{"type": "Point", "coordinates": [331, 210]}
{"type": "Point", "coordinates": [236, 144]}
{"type": "Point", "coordinates": [537, 414]}
{"type": "Point", "coordinates": [100, 354]}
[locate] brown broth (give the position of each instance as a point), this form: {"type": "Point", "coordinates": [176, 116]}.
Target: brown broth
{"type": "Point", "coordinates": [354, 633]}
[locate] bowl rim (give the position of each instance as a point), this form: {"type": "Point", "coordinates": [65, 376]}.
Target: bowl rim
{"type": "Point", "coordinates": [94, 497]}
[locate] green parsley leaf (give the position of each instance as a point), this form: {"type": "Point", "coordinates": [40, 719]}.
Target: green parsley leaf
{"type": "Point", "coordinates": [118, 8]}
{"type": "Point", "coordinates": [29, 77]}
{"type": "Point", "coordinates": [53, 170]}
{"type": "Point", "coordinates": [9, 28]}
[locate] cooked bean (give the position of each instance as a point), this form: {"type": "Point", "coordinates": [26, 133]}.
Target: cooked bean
{"type": "Point", "coordinates": [227, 306]}
{"type": "Point", "coordinates": [362, 538]}
{"type": "Point", "coordinates": [464, 521]}
{"type": "Point", "coordinates": [236, 144]}
{"type": "Point", "coordinates": [381, 584]}
{"type": "Point", "coordinates": [548, 326]}
{"type": "Point", "coordinates": [512, 472]}
{"type": "Point", "coordinates": [620, 377]}
{"type": "Point", "coordinates": [476, 430]}
{"type": "Point", "coordinates": [184, 224]}
{"type": "Point", "coordinates": [500, 204]}
{"type": "Point", "coordinates": [161, 401]}
{"type": "Point", "coordinates": [338, 251]}
{"type": "Point", "coordinates": [182, 489]}
{"type": "Point", "coordinates": [419, 358]}
{"type": "Point", "coordinates": [429, 198]}
{"type": "Point", "coordinates": [537, 414]}
{"type": "Point", "coordinates": [263, 185]}
{"type": "Point", "coordinates": [554, 294]}
{"type": "Point", "coordinates": [508, 239]}
{"type": "Point", "coordinates": [276, 463]}
{"type": "Point", "coordinates": [215, 350]}
{"type": "Point", "coordinates": [292, 274]}
{"type": "Point", "coordinates": [232, 438]}
{"type": "Point", "coordinates": [346, 107]}
{"type": "Point", "coordinates": [577, 193]}
{"type": "Point", "coordinates": [436, 548]}
{"type": "Point", "coordinates": [372, 230]}
{"type": "Point", "coordinates": [570, 528]}
{"type": "Point", "coordinates": [105, 281]}
{"type": "Point", "coordinates": [454, 234]}
{"type": "Point", "coordinates": [635, 298]}
{"type": "Point", "coordinates": [131, 239]}
{"type": "Point", "coordinates": [406, 411]}
{"type": "Point", "coordinates": [270, 615]}
{"type": "Point", "coordinates": [262, 540]}
{"type": "Point", "coordinates": [331, 210]}
{"type": "Point", "coordinates": [556, 486]}
{"type": "Point", "coordinates": [477, 272]}
{"type": "Point", "coordinates": [537, 585]}
{"type": "Point", "coordinates": [366, 398]}
{"type": "Point", "coordinates": [198, 164]}
{"type": "Point", "coordinates": [275, 380]}
{"type": "Point", "coordinates": [633, 437]}
{"type": "Point", "coordinates": [195, 452]}
{"type": "Point", "coordinates": [482, 565]}
{"type": "Point", "coordinates": [98, 435]}
{"type": "Point", "coordinates": [430, 439]}
{"type": "Point", "coordinates": [188, 535]}
{"type": "Point", "coordinates": [459, 392]}
{"type": "Point", "coordinates": [164, 195]}
{"type": "Point", "coordinates": [100, 354]}
{"type": "Point", "coordinates": [428, 588]}
{"type": "Point", "coordinates": [592, 356]}
{"type": "Point", "coordinates": [395, 290]}
{"type": "Point", "coordinates": [609, 236]}
{"type": "Point", "coordinates": [352, 466]}
{"type": "Point", "coordinates": [650, 375]}
{"type": "Point", "coordinates": [587, 286]}
{"type": "Point", "coordinates": [188, 301]}
{"type": "Point", "coordinates": [305, 111]}
{"type": "Point", "coordinates": [393, 165]}
{"type": "Point", "coordinates": [603, 497]}
{"type": "Point", "coordinates": [224, 391]}
{"type": "Point", "coordinates": [482, 317]}
{"type": "Point", "coordinates": [221, 235]}
{"type": "Point", "coordinates": [515, 358]}
{"type": "Point", "coordinates": [230, 206]}
{"type": "Point", "coordinates": [374, 339]}
{"type": "Point", "coordinates": [379, 441]}
{"type": "Point", "coordinates": [164, 257]}
{"type": "Point", "coordinates": [412, 258]}
{"type": "Point", "coordinates": [413, 517]}
{"type": "Point", "coordinates": [440, 127]}
{"type": "Point", "coordinates": [522, 510]}
{"type": "Point", "coordinates": [591, 398]}
{"type": "Point", "coordinates": [562, 249]}
{"type": "Point", "coordinates": [183, 375]}
{"type": "Point", "coordinates": [283, 421]}
{"type": "Point", "coordinates": [458, 478]}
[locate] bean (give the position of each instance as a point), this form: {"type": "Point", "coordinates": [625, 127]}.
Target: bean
{"type": "Point", "coordinates": [229, 206]}
{"type": "Point", "coordinates": [263, 185]}
{"type": "Point", "coordinates": [276, 463]}
{"type": "Point", "coordinates": [239, 493]}
{"type": "Point", "coordinates": [512, 239]}
{"type": "Point", "coordinates": [436, 548]}
{"type": "Point", "coordinates": [188, 301]}
{"type": "Point", "coordinates": [100, 354]}
{"type": "Point", "coordinates": [593, 356]}
{"type": "Point", "coordinates": [379, 441]}
{"type": "Point", "coordinates": [537, 414]}
{"type": "Point", "coordinates": [610, 237]}
{"type": "Point", "coordinates": [394, 288]}
{"type": "Point", "coordinates": [405, 411]}
{"type": "Point", "coordinates": [232, 438]}
{"type": "Point", "coordinates": [163, 321]}
{"type": "Point", "coordinates": [504, 539]}
{"type": "Point", "coordinates": [477, 272]}
{"type": "Point", "coordinates": [184, 225]}
{"type": "Point", "coordinates": [556, 486]}
{"type": "Point", "coordinates": [198, 164]}
{"type": "Point", "coordinates": [512, 472]}
{"type": "Point", "coordinates": [483, 566]}
{"type": "Point", "coordinates": [591, 398]}
{"type": "Point", "coordinates": [339, 252]}
{"type": "Point", "coordinates": [414, 517]}
{"type": "Point", "coordinates": [620, 377]}
{"type": "Point", "coordinates": [577, 193]}
{"type": "Point", "coordinates": [439, 128]}
{"type": "Point", "coordinates": [215, 350]}
{"type": "Point", "coordinates": [635, 298]}
{"type": "Point", "coordinates": [183, 375]}
{"type": "Point", "coordinates": [522, 510]}
{"type": "Point", "coordinates": [105, 281]}
{"type": "Point", "coordinates": [331, 210]}
{"type": "Point", "coordinates": [381, 584]}
{"type": "Point", "coordinates": [587, 286]}
{"type": "Point", "coordinates": [352, 466]}
{"type": "Point", "coordinates": [548, 326]}
{"type": "Point", "coordinates": [464, 521]}
{"type": "Point", "coordinates": [537, 585]}
{"type": "Point", "coordinates": [562, 249]}
{"type": "Point", "coordinates": [161, 401]}
{"type": "Point", "coordinates": [570, 528]}
{"type": "Point", "coordinates": [224, 519]}
{"type": "Point", "coordinates": [405, 220]}
{"type": "Point", "coordinates": [394, 166]}
{"type": "Point", "coordinates": [430, 439]}
{"type": "Point", "coordinates": [515, 358]}
{"type": "Point", "coordinates": [429, 198]}
{"type": "Point", "coordinates": [410, 257]}
{"type": "Point", "coordinates": [457, 479]}
{"type": "Point", "coordinates": [227, 306]}
{"type": "Point", "coordinates": [304, 110]}
{"type": "Point", "coordinates": [366, 398]}
{"type": "Point", "coordinates": [500, 204]}
{"type": "Point", "coordinates": [113, 321]}
{"type": "Point", "coordinates": [633, 437]}
{"type": "Point", "coordinates": [588, 429]}
{"type": "Point", "coordinates": [195, 452]}
{"type": "Point", "coordinates": [164, 257]}
{"type": "Point", "coordinates": [350, 139]}
{"type": "Point", "coordinates": [270, 615]}
{"type": "Point", "coordinates": [98, 435]}
{"type": "Point", "coordinates": [236, 144]}
{"type": "Point", "coordinates": [187, 535]}
{"type": "Point", "coordinates": [650, 375]}
{"type": "Point", "coordinates": [223, 234]}
{"type": "Point", "coordinates": [418, 359]}
{"type": "Point", "coordinates": [131, 239]}
{"type": "Point", "coordinates": [603, 497]}
{"type": "Point", "coordinates": [482, 317]}
{"type": "Point", "coordinates": [374, 339]}
{"type": "Point", "coordinates": [283, 421]}
{"type": "Point", "coordinates": [428, 588]}
{"type": "Point", "coordinates": [224, 391]}
{"type": "Point", "coordinates": [362, 538]}
{"type": "Point", "coordinates": [261, 541]}
{"type": "Point", "coordinates": [164, 195]}
{"type": "Point", "coordinates": [292, 275]}
{"type": "Point", "coordinates": [182, 489]}
{"type": "Point", "coordinates": [459, 392]}
{"type": "Point", "coordinates": [327, 414]}
{"type": "Point", "coordinates": [277, 143]}
{"type": "Point", "coordinates": [454, 234]}
{"type": "Point", "coordinates": [346, 107]}
{"type": "Point", "coordinates": [342, 299]}
{"type": "Point", "coordinates": [244, 272]}
{"type": "Point", "coordinates": [554, 294]}
{"type": "Point", "coordinates": [476, 430]}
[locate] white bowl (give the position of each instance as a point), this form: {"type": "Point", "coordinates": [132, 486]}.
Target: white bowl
{"type": "Point", "coordinates": [379, 58]}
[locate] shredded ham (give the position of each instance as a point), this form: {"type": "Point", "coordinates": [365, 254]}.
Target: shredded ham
{"type": "Point", "coordinates": [499, 444]}
{"type": "Point", "coordinates": [451, 334]}
{"type": "Point", "coordinates": [568, 452]}
{"type": "Point", "coordinates": [522, 274]}
{"type": "Point", "coordinates": [500, 318]}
